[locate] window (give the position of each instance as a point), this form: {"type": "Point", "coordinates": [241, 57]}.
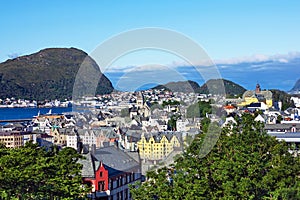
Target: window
{"type": "Point", "coordinates": [126, 194]}
{"type": "Point", "coordinates": [101, 186]}
{"type": "Point", "coordinates": [111, 184]}
{"type": "Point", "coordinates": [126, 180]}
{"type": "Point", "coordinates": [121, 195]}
{"type": "Point", "coordinates": [132, 176]}
{"type": "Point", "coordinates": [120, 181]}
{"type": "Point", "coordinates": [101, 174]}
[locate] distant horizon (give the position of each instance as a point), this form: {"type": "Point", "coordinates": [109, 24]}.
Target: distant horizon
{"type": "Point", "coordinates": [237, 70]}
{"type": "Point", "coordinates": [249, 41]}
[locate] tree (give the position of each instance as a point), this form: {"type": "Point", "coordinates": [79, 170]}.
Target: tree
{"type": "Point", "coordinates": [245, 163]}
{"type": "Point", "coordinates": [204, 124]}
{"type": "Point", "coordinates": [172, 121]}
{"type": "Point", "coordinates": [30, 172]}
{"type": "Point", "coordinates": [125, 112]}
{"type": "Point", "coordinates": [169, 102]}
{"type": "Point", "coordinates": [199, 109]}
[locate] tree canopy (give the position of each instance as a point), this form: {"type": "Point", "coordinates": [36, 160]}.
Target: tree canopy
{"type": "Point", "coordinates": [245, 163]}
{"type": "Point", "coordinates": [30, 172]}
{"type": "Point", "coordinates": [199, 109]}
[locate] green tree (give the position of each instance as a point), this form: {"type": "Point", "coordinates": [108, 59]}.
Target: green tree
{"type": "Point", "coordinates": [172, 121]}
{"type": "Point", "coordinates": [155, 105]}
{"type": "Point", "coordinates": [169, 102]}
{"type": "Point", "coordinates": [30, 172]}
{"type": "Point", "coordinates": [199, 109]}
{"type": "Point", "coordinates": [204, 124]}
{"type": "Point", "coordinates": [245, 163]}
{"type": "Point", "coordinates": [125, 112]}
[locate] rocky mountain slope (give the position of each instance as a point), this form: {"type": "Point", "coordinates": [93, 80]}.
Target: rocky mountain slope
{"type": "Point", "coordinates": [48, 74]}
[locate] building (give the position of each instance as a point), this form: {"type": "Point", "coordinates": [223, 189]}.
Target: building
{"type": "Point", "coordinates": [11, 139]}
{"type": "Point", "coordinates": [109, 171]}
{"type": "Point", "coordinates": [257, 96]}
{"type": "Point", "coordinates": [181, 124]}
{"type": "Point", "coordinates": [282, 128]}
{"type": "Point", "coordinates": [157, 146]}
{"type": "Point", "coordinates": [60, 135]}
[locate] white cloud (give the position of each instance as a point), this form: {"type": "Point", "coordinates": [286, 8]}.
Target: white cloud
{"type": "Point", "coordinates": [148, 67]}
{"type": "Point", "coordinates": [255, 61]}
{"type": "Point", "coordinates": [283, 58]}
{"type": "Point", "coordinates": [118, 68]}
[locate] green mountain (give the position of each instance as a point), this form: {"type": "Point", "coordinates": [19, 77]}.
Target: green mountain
{"type": "Point", "coordinates": [180, 86]}
{"type": "Point", "coordinates": [231, 88]}
{"type": "Point", "coordinates": [213, 86]}
{"type": "Point", "coordinates": [284, 97]}
{"type": "Point", "coordinates": [49, 74]}
{"type": "Point", "coordinates": [296, 87]}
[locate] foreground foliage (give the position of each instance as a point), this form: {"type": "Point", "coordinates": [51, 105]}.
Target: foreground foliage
{"type": "Point", "coordinates": [245, 163]}
{"type": "Point", "coordinates": [32, 173]}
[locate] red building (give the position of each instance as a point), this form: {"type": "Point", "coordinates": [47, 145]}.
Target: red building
{"type": "Point", "coordinates": [109, 171]}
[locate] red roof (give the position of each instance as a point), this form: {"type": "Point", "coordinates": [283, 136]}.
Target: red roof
{"type": "Point", "coordinates": [229, 107]}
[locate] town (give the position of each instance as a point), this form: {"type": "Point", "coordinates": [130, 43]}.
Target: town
{"type": "Point", "coordinates": [123, 135]}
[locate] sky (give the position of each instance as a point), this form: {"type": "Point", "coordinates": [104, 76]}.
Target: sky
{"type": "Point", "coordinates": [236, 35]}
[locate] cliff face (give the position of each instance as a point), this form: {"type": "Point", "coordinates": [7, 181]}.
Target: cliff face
{"type": "Point", "coordinates": [296, 87]}
{"type": "Point", "coordinates": [47, 74]}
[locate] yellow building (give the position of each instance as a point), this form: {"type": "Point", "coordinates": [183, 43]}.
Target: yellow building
{"type": "Point", "coordinates": [11, 139]}
{"type": "Point", "coordinates": [60, 135]}
{"type": "Point", "coordinates": [256, 96]}
{"type": "Point", "coordinates": [157, 147]}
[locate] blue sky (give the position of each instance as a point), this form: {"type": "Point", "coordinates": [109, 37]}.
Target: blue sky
{"type": "Point", "coordinates": [232, 32]}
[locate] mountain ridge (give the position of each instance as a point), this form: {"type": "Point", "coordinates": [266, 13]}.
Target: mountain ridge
{"type": "Point", "coordinates": [296, 87]}
{"type": "Point", "coordinates": [47, 74]}
{"type": "Point", "coordinates": [231, 88]}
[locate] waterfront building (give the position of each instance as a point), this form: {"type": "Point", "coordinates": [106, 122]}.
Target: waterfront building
{"type": "Point", "coordinates": [11, 139]}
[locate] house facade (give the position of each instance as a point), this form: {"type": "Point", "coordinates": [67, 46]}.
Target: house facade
{"type": "Point", "coordinates": [157, 147]}
{"type": "Point", "coordinates": [11, 139]}
{"type": "Point", "coordinates": [109, 171]}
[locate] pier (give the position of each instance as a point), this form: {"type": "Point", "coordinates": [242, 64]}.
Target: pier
{"type": "Point", "coordinates": [15, 120]}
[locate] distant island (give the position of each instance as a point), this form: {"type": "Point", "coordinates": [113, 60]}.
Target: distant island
{"type": "Point", "coordinates": [230, 87]}
{"type": "Point", "coordinates": [296, 88]}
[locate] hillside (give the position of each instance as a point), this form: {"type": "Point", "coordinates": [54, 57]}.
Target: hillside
{"type": "Point", "coordinates": [284, 97]}
{"type": "Point", "coordinates": [296, 87]}
{"type": "Point", "coordinates": [180, 86]}
{"type": "Point", "coordinates": [231, 88]}
{"type": "Point", "coordinates": [47, 74]}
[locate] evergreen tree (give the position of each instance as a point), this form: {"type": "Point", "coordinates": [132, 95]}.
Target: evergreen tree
{"type": "Point", "coordinates": [30, 172]}
{"type": "Point", "coordinates": [245, 163]}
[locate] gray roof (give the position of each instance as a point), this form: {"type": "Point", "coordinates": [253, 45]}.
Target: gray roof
{"type": "Point", "coordinates": [114, 160]}
{"type": "Point", "coordinates": [265, 94]}
{"type": "Point", "coordinates": [88, 168]}
{"type": "Point", "coordinates": [286, 135]}
{"type": "Point", "coordinates": [281, 126]}
{"type": "Point", "coordinates": [157, 136]}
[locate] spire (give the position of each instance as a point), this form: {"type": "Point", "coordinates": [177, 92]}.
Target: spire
{"type": "Point", "coordinates": [257, 89]}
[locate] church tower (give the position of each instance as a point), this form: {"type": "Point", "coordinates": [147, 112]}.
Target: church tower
{"type": "Point", "coordinates": [140, 100]}
{"type": "Point", "coordinates": [257, 89]}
